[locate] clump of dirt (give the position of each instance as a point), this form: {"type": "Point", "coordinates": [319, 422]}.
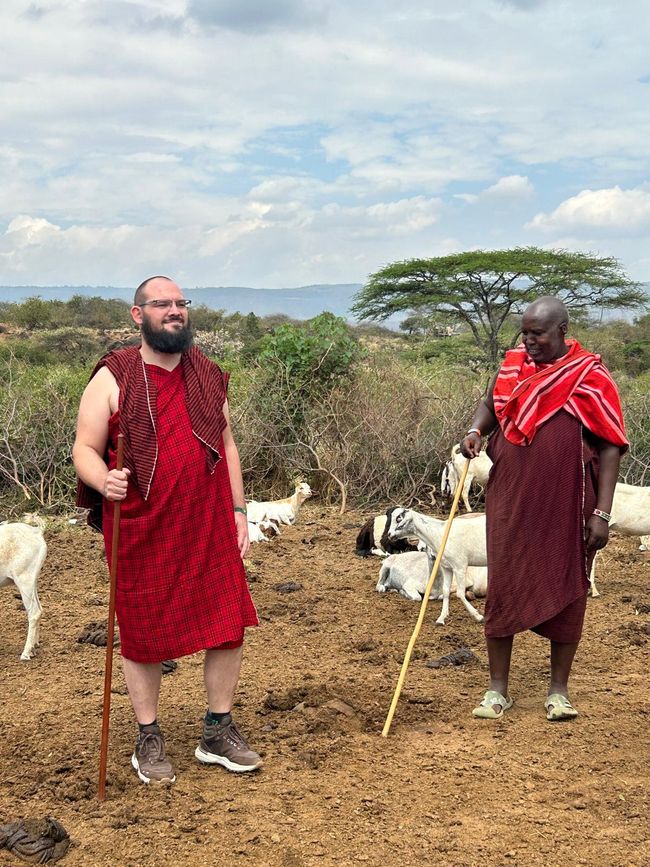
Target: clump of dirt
{"type": "Point", "coordinates": [96, 632]}
{"type": "Point", "coordinates": [169, 666]}
{"type": "Point", "coordinates": [287, 587]}
{"type": "Point", "coordinates": [312, 696]}
{"type": "Point", "coordinates": [461, 656]}
{"type": "Point", "coordinates": [635, 633]}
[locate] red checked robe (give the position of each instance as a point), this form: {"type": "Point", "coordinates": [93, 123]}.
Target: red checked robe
{"type": "Point", "coordinates": [181, 585]}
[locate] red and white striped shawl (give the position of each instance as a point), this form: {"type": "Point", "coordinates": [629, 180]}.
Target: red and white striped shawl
{"type": "Point", "coordinates": [206, 390]}
{"type": "Point", "coordinates": [526, 395]}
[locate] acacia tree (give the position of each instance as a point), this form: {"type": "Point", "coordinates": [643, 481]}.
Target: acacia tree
{"type": "Point", "coordinates": [481, 289]}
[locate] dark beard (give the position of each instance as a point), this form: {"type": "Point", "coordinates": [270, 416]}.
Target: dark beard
{"type": "Point", "coordinates": [169, 342]}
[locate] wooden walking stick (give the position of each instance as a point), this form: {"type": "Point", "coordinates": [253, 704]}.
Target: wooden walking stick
{"type": "Point", "coordinates": [425, 599]}
{"type": "Point", "coordinates": [110, 633]}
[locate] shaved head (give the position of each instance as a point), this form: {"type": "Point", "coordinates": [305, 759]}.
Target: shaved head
{"type": "Point", "coordinates": [543, 328]}
{"type": "Point", "coordinates": [140, 292]}
{"type": "Point", "coordinates": [548, 309]}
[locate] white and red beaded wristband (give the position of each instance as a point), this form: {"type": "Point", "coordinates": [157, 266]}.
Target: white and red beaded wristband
{"type": "Point", "coordinates": [474, 430]}
{"type": "Point", "coordinates": [604, 515]}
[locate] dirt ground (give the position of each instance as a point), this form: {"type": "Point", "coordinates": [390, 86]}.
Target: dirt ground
{"type": "Point", "coordinates": [319, 675]}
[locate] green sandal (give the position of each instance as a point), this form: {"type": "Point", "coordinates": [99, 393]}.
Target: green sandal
{"type": "Point", "coordinates": [486, 710]}
{"type": "Point", "coordinates": [558, 707]}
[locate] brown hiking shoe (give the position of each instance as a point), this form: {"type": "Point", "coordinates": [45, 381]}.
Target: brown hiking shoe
{"type": "Point", "coordinates": [223, 744]}
{"type": "Point", "coordinates": [149, 758]}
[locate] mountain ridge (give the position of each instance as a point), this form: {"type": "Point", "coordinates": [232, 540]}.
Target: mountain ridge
{"type": "Point", "coordinates": [299, 302]}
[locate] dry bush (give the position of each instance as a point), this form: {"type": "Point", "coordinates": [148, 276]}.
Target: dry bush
{"type": "Point", "coordinates": [38, 407]}
{"type": "Point", "coordinates": [635, 394]}
{"type": "Point", "coordinates": [380, 437]}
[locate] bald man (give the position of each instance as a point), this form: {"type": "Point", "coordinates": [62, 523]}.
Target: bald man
{"type": "Point", "coordinates": [556, 434]}
{"type": "Point", "coordinates": [181, 585]}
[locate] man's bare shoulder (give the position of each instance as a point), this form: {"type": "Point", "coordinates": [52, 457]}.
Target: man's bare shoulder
{"type": "Point", "coordinates": [101, 392]}
{"type": "Point", "coordinates": [103, 380]}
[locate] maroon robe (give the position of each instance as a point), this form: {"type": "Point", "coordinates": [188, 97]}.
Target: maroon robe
{"type": "Point", "coordinates": [538, 499]}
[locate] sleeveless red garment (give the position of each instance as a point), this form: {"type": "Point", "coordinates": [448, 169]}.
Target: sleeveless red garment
{"type": "Point", "coordinates": [181, 585]}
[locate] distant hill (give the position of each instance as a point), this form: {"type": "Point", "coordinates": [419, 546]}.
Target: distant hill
{"type": "Point", "coordinates": [302, 302]}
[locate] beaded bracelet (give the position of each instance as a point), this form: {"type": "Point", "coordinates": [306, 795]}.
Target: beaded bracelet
{"type": "Point", "coordinates": [241, 509]}
{"type": "Point", "coordinates": [604, 515]}
{"type": "Point", "coordinates": [474, 430]}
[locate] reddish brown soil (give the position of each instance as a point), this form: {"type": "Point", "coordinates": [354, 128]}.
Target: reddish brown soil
{"type": "Point", "coordinates": [443, 788]}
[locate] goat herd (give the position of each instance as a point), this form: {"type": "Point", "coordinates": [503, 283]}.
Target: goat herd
{"type": "Point", "coordinates": [407, 540]}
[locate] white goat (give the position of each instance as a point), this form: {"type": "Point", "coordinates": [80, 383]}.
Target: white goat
{"type": "Point", "coordinates": [256, 531]}
{"type": "Point", "coordinates": [466, 546]}
{"type": "Point", "coordinates": [408, 573]}
{"type": "Point", "coordinates": [22, 553]}
{"type": "Point", "coordinates": [282, 511]}
{"type": "Point", "coordinates": [479, 470]}
{"type": "Point", "coordinates": [630, 516]}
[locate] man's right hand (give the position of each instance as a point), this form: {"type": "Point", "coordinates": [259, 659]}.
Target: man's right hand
{"type": "Point", "coordinates": [470, 445]}
{"type": "Point", "coordinates": [116, 484]}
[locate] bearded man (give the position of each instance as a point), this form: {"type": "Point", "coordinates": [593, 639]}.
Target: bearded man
{"type": "Point", "coordinates": [181, 585]}
{"type": "Point", "coordinates": [556, 431]}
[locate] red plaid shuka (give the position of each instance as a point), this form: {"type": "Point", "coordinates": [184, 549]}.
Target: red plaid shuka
{"type": "Point", "coordinates": [181, 585]}
{"type": "Point", "coordinates": [526, 395]}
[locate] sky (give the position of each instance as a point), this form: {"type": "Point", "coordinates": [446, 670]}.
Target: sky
{"type": "Point", "coordinates": [278, 143]}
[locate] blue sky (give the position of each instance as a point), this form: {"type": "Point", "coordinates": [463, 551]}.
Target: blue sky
{"type": "Point", "coordinates": [284, 143]}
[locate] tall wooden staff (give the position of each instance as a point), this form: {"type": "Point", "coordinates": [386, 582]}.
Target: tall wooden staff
{"type": "Point", "coordinates": [425, 599]}
{"type": "Point", "coordinates": [110, 633]}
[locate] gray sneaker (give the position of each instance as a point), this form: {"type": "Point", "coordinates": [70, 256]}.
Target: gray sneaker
{"type": "Point", "coordinates": [223, 744]}
{"type": "Point", "coordinates": [149, 758]}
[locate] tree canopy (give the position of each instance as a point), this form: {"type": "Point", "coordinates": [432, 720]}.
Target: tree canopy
{"type": "Point", "coordinates": [482, 289]}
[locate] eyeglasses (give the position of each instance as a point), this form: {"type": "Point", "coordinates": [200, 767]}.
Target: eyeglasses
{"type": "Point", "coordinates": [163, 304]}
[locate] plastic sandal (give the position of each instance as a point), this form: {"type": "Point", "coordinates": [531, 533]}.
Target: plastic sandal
{"type": "Point", "coordinates": [558, 707]}
{"type": "Point", "coordinates": [486, 710]}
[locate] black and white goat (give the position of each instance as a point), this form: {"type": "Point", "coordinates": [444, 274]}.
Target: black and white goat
{"type": "Point", "coordinates": [372, 538]}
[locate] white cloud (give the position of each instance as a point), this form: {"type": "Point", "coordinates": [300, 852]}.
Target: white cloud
{"type": "Point", "coordinates": [613, 209]}
{"type": "Point", "coordinates": [267, 140]}
{"type": "Point", "coordinates": [508, 189]}
{"type": "Point", "coordinates": [511, 187]}
{"type": "Point", "coordinates": [253, 246]}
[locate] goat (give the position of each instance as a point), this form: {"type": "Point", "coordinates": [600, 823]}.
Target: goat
{"type": "Point", "coordinates": [372, 538]}
{"type": "Point", "coordinates": [479, 470]}
{"type": "Point", "coordinates": [409, 574]}
{"type": "Point", "coordinates": [256, 531]}
{"type": "Point", "coordinates": [630, 516]}
{"type": "Point", "coordinates": [22, 553]}
{"type": "Point", "coordinates": [283, 511]}
{"type": "Point", "coordinates": [466, 546]}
